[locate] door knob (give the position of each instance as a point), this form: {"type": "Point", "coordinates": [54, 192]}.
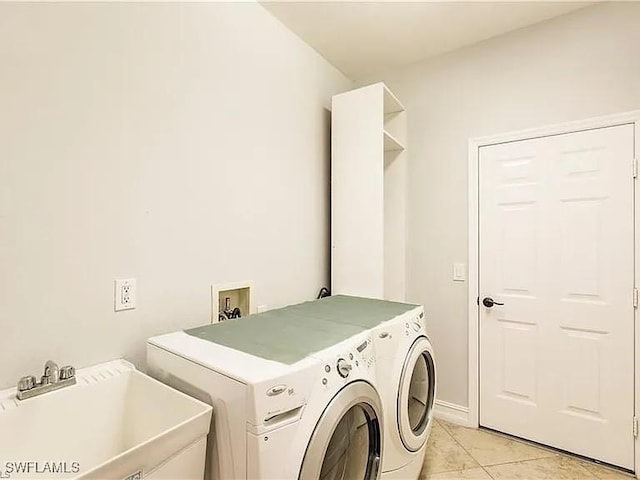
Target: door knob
{"type": "Point", "coordinates": [489, 302]}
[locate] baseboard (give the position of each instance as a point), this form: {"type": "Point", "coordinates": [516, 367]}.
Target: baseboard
{"type": "Point", "coordinates": [452, 412]}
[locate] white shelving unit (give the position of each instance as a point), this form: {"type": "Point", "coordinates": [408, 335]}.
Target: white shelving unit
{"type": "Point", "coordinates": [391, 144]}
{"type": "Point", "coordinates": [368, 193]}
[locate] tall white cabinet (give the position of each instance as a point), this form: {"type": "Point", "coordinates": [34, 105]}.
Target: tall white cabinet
{"type": "Point", "coordinates": [368, 194]}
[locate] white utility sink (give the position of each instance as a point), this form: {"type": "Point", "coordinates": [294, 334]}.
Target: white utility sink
{"type": "Point", "coordinates": [115, 423]}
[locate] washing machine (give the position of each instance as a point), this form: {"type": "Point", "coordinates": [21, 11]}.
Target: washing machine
{"type": "Point", "coordinates": [406, 380]}
{"type": "Point", "coordinates": [292, 398]}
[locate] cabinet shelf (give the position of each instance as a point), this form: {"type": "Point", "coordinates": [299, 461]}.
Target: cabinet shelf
{"type": "Point", "coordinates": [391, 103]}
{"type": "Point", "coordinates": [391, 144]}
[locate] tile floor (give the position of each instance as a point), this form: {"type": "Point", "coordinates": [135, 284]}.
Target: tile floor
{"type": "Point", "coordinates": [460, 453]}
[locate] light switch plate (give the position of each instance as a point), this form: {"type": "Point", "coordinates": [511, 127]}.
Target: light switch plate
{"type": "Point", "coordinates": [459, 272]}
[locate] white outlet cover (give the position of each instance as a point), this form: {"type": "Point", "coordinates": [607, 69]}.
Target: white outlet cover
{"type": "Point", "coordinates": [124, 294]}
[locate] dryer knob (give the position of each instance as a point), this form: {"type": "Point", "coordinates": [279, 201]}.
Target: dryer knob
{"type": "Point", "coordinates": [343, 367]}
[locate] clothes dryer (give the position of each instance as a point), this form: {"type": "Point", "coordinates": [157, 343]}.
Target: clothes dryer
{"type": "Point", "coordinates": [405, 374]}
{"type": "Point", "coordinates": [406, 380]}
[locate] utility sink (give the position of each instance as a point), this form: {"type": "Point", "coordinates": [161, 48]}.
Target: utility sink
{"type": "Point", "coordinates": [115, 423]}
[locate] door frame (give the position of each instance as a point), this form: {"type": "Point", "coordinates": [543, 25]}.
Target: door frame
{"type": "Point", "coordinates": [632, 117]}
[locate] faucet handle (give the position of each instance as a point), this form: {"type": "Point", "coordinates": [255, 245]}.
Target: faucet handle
{"type": "Point", "coordinates": [26, 383]}
{"type": "Point", "coordinates": [67, 372]}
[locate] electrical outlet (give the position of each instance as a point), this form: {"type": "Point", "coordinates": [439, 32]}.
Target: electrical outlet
{"type": "Point", "coordinates": [125, 294]}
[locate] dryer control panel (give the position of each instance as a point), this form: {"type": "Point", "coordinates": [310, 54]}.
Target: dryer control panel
{"type": "Point", "coordinates": [365, 351]}
{"type": "Point", "coordinates": [415, 326]}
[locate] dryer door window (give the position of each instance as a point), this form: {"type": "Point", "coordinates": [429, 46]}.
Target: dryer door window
{"type": "Point", "coordinates": [346, 443]}
{"type": "Point", "coordinates": [418, 398]}
{"type": "Point", "coordinates": [348, 450]}
{"type": "Point", "coordinates": [416, 394]}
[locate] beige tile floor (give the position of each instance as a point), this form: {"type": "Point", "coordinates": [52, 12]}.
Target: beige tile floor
{"type": "Point", "coordinates": [456, 452]}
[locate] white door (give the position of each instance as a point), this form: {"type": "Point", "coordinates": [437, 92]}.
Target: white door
{"type": "Point", "coordinates": [557, 249]}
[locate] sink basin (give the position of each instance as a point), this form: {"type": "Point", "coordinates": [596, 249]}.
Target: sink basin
{"type": "Point", "coordinates": [115, 423]}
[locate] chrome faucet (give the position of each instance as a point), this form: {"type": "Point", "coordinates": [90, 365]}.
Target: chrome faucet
{"type": "Point", "coordinates": [54, 378]}
{"type": "Point", "coordinates": [51, 372]}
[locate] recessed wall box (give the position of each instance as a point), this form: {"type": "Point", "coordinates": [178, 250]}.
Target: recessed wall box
{"type": "Point", "coordinates": [229, 300]}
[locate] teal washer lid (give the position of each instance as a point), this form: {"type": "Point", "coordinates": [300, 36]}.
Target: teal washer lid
{"type": "Point", "coordinates": [289, 334]}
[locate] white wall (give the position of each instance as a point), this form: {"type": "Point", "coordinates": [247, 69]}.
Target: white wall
{"type": "Point", "coordinates": [577, 66]}
{"type": "Point", "coordinates": [182, 145]}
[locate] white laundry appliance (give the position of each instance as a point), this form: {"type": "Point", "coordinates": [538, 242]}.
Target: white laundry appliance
{"type": "Point", "coordinates": [293, 395]}
{"type": "Point", "coordinates": [405, 375]}
{"type": "Point", "coordinates": [406, 380]}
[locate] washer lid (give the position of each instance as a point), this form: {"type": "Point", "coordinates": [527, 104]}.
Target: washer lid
{"type": "Point", "coordinates": [238, 365]}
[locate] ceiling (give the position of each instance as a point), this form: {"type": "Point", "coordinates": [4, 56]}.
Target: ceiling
{"type": "Point", "coordinates": [365, 38]}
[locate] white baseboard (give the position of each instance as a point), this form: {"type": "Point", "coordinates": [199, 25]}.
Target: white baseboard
{"type": "Point", "coordinates": [452, 412]}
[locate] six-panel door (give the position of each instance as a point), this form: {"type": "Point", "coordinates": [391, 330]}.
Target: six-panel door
{"type": "Point", "coordinates": [557, 248]}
